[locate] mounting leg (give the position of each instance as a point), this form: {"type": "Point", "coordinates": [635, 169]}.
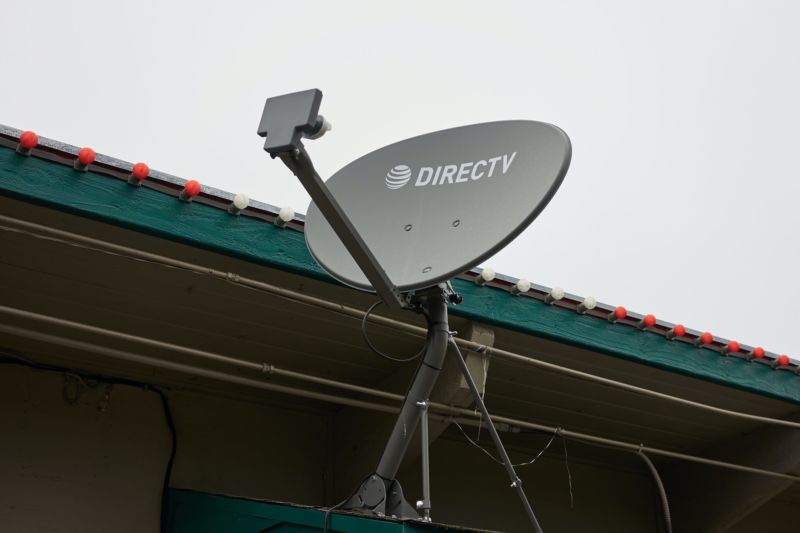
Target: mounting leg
{"type": "Point", "coordinates": [424, 504]}
{"type": "Point", "coordinates": [516, 482]}
{"type": "Point", "coordinates": [381, 494]}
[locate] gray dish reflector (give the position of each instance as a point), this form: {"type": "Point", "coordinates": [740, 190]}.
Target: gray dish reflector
{"type": "Point", "coordinates": [433, 206]}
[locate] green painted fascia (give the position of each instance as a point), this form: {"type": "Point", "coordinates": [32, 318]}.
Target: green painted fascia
{"type": "Point", "coordinates": [196, 512]}
{"type": "Point", "coordinates": [148, 211]}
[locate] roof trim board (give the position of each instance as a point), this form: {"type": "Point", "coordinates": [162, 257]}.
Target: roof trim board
{"type": "Point", "coordinates": [150, 211]}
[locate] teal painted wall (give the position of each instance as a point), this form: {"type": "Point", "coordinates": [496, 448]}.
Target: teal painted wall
{"type": "Point", "coordinates": [194, 512]}
{"type": "Point", "coordinates": [113, 201]}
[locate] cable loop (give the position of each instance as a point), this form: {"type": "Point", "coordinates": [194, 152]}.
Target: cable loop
{"type": "Point", "coordinates": [375, 349]}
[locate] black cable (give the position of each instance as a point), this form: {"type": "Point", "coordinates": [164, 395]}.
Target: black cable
{"type": "Point", "coordinates": [11, 359]}
{"type": "Point", "coordinates": [656, 477]}
{"type": "Point", "coordinates": [376, 350]}
{"type": "Point", "coordinates": [168, 471]}
{"type": "Point", "coordinates": [661, 490]}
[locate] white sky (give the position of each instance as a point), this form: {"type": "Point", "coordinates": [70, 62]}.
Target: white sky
{"type": "Point", "coordinates": [682, 198]}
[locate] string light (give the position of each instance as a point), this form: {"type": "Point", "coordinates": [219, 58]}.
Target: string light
{"type": "Point", "coordinates": [486, 275]}
{"type": "Point", "coordinates": [678, 330]}
{"type": "Point", "coordinates": [618, 314]}
{"type": "Point", "coordinates": [588, 303]}
{"type": "Point", "coordinates": [555, 294]}
{"type": "Point", "coordinates": [239, 203]}
{"type": "Point", "coordinates": [731, 347]}
{"type": "Point", "coordinates": [190, 190]}
{"type": "Point", "coordinates": [139, 173]}
{"type": "Point", "coordinates": [27, 142]}
{"type": "Point", "coordinates": [86, 157]}
{"type": "Point", "coordinates": [285, 215]}
{"type": "Point", "coordinates": [704, 339]}
{"type": "Point", "coordinates": [647, 322]}
{"type": "Point", "coordinates": [521, 286]}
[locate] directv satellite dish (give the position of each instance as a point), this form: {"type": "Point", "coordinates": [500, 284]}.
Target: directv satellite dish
{"type": "Point", "coordinates": [433, 206]}
{"type": "Point", "coordinates": [402, 221]}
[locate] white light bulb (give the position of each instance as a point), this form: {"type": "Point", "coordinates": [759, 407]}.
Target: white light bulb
{"type": "Point", "coordinates": [590, 302]}
{"type": "Point", "coordinates": [241, 201]}
{"type": "Point", "coordinates": [523, 285]}
{"type": "Point", "coordinates": [487, 274]}
{"type": "Point", "coordinates": [286, 214]}
{"type": "Point", "coordinates": [556, 293]}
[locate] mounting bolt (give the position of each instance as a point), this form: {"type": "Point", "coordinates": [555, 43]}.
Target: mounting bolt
{"type": "Point", "coordinates": [455, 298]}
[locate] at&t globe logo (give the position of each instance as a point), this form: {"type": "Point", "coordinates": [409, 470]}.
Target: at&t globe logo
{"type": "Point", "coordinates": [398, 176]}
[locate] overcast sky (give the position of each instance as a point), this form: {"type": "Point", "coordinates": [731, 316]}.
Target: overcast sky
{"type": "Point", "coordinates": [682, 197]}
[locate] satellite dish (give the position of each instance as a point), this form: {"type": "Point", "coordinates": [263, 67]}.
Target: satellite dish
{"type": "Point", "coordinates": [410, 216]}
{"type": "Point", "coordinates": [433, 206]}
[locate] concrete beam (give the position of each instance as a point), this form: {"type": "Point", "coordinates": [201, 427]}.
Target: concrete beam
{"type": "Point", "coordinates": [706, 499]}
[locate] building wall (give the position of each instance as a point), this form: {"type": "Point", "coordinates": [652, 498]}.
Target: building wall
{"type": "Point", "coordinates": [94, 460]}
{"type": "Point", "coordinates": [91, 459]}
{"type": "Point", "coordinates": [75, 462]}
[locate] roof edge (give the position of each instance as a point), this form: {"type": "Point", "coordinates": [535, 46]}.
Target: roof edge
{"type": "Point", "coordinates": [207, 224]}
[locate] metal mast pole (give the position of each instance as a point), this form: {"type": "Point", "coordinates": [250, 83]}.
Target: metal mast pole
{"type": "Point", "coordinates": [381, 493]}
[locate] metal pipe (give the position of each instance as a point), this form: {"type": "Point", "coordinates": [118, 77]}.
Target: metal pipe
{"type": "Point", "coordinates": [193, 370]}
{"type": "Point", "coordinates": [426, 463]}
{"type": "Point", "coordinates": [263, 367]}
{"type": "Point", "coordinates": [421, 387]}
{"type": "Point", "coordinates": [106, 247]}
{"type": "Point", "coordinates": [451, 413]}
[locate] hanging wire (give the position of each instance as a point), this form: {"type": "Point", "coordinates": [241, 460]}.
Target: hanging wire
{"type": "Point", "coordinates": [498, 461]}
{"type": "Point", "coordinates": [566, 464]}
{"type": "Point", "coordinates": [661, 490]}
{"type": "Point", "coordinates": [375, 349]}
{"type": "Point", "coordinates": [656, 477]}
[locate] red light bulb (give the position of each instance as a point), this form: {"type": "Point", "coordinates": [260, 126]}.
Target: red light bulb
{"type": "Point", "coordinates": [758, 352]}
{"type": "Point", "coordinates": [86, 156]}
{"type": "Point", "coordinates": [783, 360]}
{"type": "Point", "coordinates": [28, 140]}
{"type": "Point", "coordinates": [192, 188]}
{"type": "Point", "coordinates": [733, 347]}
{"type": "Point", "coordinates": [649, 320]}
{"type": "Point", "coordinates": [140, 171]}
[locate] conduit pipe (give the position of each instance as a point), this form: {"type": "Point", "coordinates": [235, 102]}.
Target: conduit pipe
{"type": "Point", "coordinates": [70, 238]}
{"type": "Point", "coordinates": [452, 412]}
